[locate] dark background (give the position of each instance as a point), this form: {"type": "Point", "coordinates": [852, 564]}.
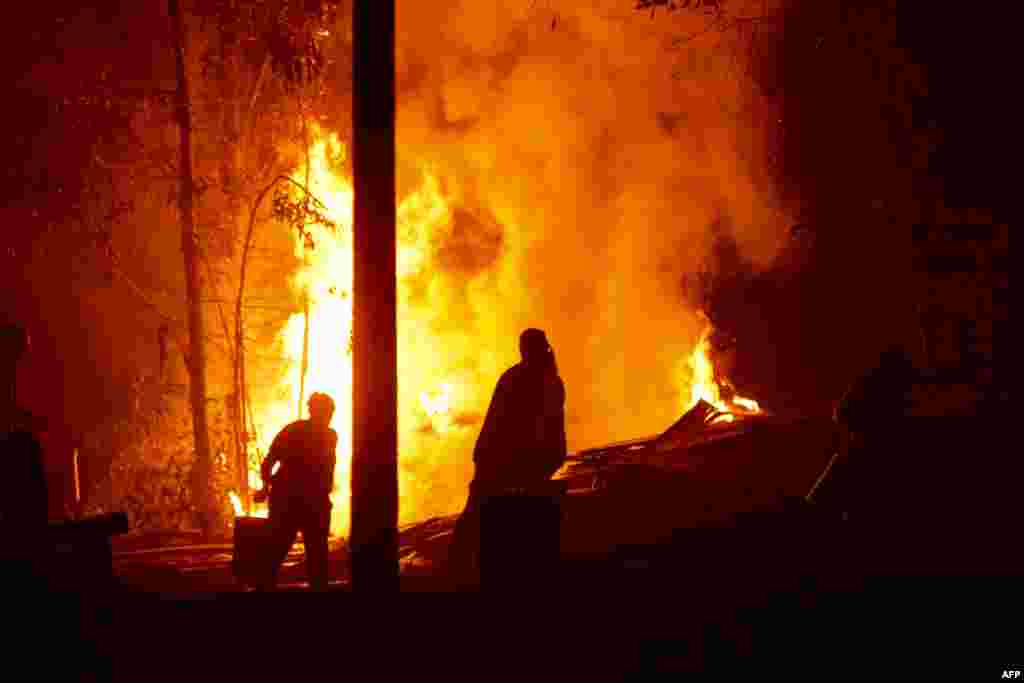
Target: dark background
{"type": "Point", "coordinates": [871, 152]}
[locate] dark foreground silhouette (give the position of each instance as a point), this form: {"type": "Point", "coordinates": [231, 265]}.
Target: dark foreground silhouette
{"type": "Point", "coordinates": [521, 444]}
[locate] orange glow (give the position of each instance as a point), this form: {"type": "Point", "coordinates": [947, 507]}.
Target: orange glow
{"type": "Point", "coordinates": [326, 277]}
{"type": "Point", "coordinates": [438, 406]}
{"type": "Point", "coordinates": [439, 389]}
{"type": "Point", "coordinates": [236, 503]}
{"type": "Point", "coordinates": [704, 385]}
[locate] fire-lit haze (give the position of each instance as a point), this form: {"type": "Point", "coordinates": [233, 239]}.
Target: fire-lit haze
{"type": "Point", "coordinates": [553, 173]}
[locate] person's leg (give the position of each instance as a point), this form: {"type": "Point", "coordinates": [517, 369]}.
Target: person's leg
{"type": "Point", "coordinates": [465, 541]}
{"type": "Point", "coordinates": [280, 537]}
{"type": "Point", "coordinates": [315, 529]}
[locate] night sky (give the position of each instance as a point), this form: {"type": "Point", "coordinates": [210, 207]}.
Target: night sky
{"type": "Point", "coordinates": [856, 119]}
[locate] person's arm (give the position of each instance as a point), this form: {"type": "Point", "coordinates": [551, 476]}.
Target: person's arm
{"type": "Point", "coordinates": [485, 443]}
{"type": "Point", "coordinates": [274, 455]}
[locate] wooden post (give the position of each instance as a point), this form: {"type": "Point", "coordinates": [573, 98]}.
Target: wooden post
{"type": "Point", "coordinates": [374, 508]}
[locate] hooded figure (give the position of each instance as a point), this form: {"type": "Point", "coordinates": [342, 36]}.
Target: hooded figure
{"type": "Point", "coordinates": [522, 441]}
{"type": "Point", "coordinates": [523, 436]}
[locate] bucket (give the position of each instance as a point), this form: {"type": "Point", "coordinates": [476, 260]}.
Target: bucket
{"type": "Point", "coordinates": [250, 562]}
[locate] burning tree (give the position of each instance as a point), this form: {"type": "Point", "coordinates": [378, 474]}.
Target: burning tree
{"type": "Point", "coordinates": [238, 66]}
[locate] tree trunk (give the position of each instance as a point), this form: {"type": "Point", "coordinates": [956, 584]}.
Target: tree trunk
{"type": "Point", "coordinates": [202, 498]}
{"type": "Point", "coordinates": [374, 535]}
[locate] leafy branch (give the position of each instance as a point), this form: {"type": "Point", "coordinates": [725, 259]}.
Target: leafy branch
{"type": "Point", "coordinates": [301, 213]}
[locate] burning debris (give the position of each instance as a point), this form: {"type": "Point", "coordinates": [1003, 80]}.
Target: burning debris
{"type": "Point", "coordinates": [709, 388]}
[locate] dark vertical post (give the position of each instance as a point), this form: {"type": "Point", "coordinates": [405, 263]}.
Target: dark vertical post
{"type": "Point", "coordinates": [374, 535]}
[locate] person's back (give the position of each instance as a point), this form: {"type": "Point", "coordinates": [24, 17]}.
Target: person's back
{"type": "Point", "coordinates": [307, 462]}
{"type": "Point", "coordinates": [879, 396]}
{"type": "Point", "coordinates": [871, 480]}
{"type": "Point", "coordinates": [523, 438]}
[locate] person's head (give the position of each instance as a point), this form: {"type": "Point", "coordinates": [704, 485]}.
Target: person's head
{"type": "Point", "coordinates": [14, 343]}
{"type": "Point", "coordinates": [321, 409]}
{"type": "Point", "coordinates": [534, 348]}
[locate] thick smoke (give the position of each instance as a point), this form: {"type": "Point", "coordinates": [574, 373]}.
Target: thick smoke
{"type": "Point", "coordinates": [589, 171]}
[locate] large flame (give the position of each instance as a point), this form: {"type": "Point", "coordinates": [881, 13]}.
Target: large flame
{"type": "Point", "coordinates": [707, 386]}
{"type": "Point", "coordinates": [325, 277]}
{"type": "Point", "coordinates": [434, 393]}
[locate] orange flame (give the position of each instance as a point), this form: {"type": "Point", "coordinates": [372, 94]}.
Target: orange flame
{"type": "Point", "coordinates": [438, 407]}
{"type": "Point", "coordinates": [326, 277]}
{"type": "Point", "coordinates": [704, 385]}
{"type": "Point", "coordinates": [236, 503]}
{"type": "Point", "coordinates": [431, 385]}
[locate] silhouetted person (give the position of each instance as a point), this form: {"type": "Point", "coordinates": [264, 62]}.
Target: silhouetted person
{"type": "Point", "coordinates": [522, 441]}
{"type": "Point", "coordinates": [23, 501]}
{"type": "Point", "coordinates": [872, 418]}
{"type": "Point", "coordinates": [300, 490]}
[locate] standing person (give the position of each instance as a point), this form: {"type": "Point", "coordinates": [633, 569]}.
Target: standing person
{"type": "Point", "coordinates": [522, 442]}
{"type": "Point", "coordinates": [23, 494]}
{"type": "Point", "coordinates": [870, 417]}
{"type": "Point", "coordinates": [300, 489]}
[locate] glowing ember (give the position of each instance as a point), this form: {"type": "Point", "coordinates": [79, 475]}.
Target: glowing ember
{"type": "Point", "coordinates": [750, 405]}
{"type": "Point", "coordinates": [236, 503]}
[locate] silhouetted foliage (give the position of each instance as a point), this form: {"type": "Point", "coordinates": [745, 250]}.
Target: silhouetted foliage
{"type": "Point", "coordinates": [290, 32]}
{"type": "Point", "coordinates": [300, 214]}
{"type": "Point", "coordinates": [153, 461]}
